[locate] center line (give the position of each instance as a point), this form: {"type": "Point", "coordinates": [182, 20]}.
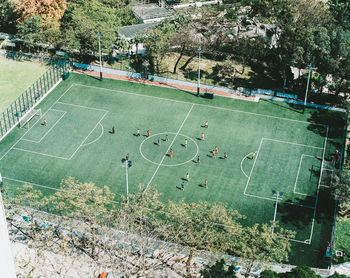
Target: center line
{"type": "Point", "coordinates": [172, 142]}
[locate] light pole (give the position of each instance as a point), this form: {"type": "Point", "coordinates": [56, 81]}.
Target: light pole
{"type": "Point", "coordinates": [307, 85]}
{"type": "Point", "coordinates": [99, 51]}
{"type": "Point", "coordinates": [127, 164]}
{"type": "Point", "coordinates": [278, 194]}
{"type": "Point", "coordinates": [199, 71]}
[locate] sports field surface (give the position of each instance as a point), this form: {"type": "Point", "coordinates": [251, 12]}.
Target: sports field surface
{"type": "Point", "coordinates": [15, 77]}
{"type": "Point", "coordinates": [290, 150]}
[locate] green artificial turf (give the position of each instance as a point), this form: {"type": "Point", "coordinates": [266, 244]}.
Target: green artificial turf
{"type": "Point", "coordinates": [289, 146]}
{"type": "Point", "coordinates": [15, 77]}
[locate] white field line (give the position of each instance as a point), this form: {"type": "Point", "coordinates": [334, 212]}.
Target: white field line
{"type": "Point", "coordinates": [81, 106]}
{"type": "Point", "coordinates": [204, 105]}
{"type": "Point", "coordinates": [44, 186]}
{"type": "Point", "coordinates": [307, 241]}
{"type": "Point", "coordinates": [38, 185]}
{"type": "Point", "coordinates": [36, 141]}
{"type": "Point", "coordinates": [82, 143]}
{"type": "Point", "coordinates": [166, 165]}
{"type": "Point", "coordinates": [292, 143]}
{"type": "Point", "coordinates": [102, 130]}
{"type": "Point", "coordinates": [116, 202]}
{"type": "Point", "coordinates": [35, 105]}
{"type": "Point", "coordinates": [251, 171]}
{"type": "Point", "coordinates": [319, 183]}
{"type": "Point", "coordinates": [296, 180]}
{"type": "Point", "coordinates": [274, 200]}
{"type": "Point", "coordinates": [242, 164]}
{"type": "Point", "coordinates": [43, 154]}
{"type": "Point", "coordinates": [172, 142]}
{"type": "Point", "coordinates": [37, 121]}
{"type": "Point", "coordinates": [331, 170]}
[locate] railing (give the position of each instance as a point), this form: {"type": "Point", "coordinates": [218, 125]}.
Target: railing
{"type": "Point", "coordinates": [31, 96]}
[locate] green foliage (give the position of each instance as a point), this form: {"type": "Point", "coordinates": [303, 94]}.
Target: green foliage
{"type": "Point", "coordinates": [8, 16]}
{"type": "Point", "coordinates": [268, 274]}
{"type": "Point", "coordinates": [83, 19]}
{"type": "Point", "coordinates": [300, 272]}
{"type": "Point", "coordinates": [203, 225]}
{"type": "Point", "coordinates": [259, 244]}
{"type": "Point", "coordinates": [30, 30]}
{"type": "Point", "coordinates": [337, 275]}
{"type": "Point", "coordinates": [341, 190]}
{"type": "Point", "coordinates": [340, 10]}
{"type": "Point", "coordinates": [342, 240]}
{"type": "Point", "coordinates": [81, 201]}
{"type": "Point", "coordinates": [158, 43]}
{"type": "Point", "coordinates": [28, 196]}
{"type": "Point", "coordinates": [218, 271]}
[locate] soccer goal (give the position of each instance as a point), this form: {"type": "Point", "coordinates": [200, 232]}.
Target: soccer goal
{"type": "Point", "coordinates": [24, 122]}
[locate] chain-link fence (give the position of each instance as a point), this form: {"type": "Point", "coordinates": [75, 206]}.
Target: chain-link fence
{"type": "Point", "coordinates": [32, 95]}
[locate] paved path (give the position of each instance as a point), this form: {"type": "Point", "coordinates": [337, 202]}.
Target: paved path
{"type": "Point", "coordinates": [168, 85]}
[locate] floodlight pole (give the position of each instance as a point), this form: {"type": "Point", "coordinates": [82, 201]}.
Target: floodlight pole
{"type": "Point", "coordinates": [278, 194]}
{"type": "Point", "coordinates": [307, 86]}
{"type": "Point", "coordinates": [127, 180]}
{"type": "Point", "coordinates": [199, 71]}
{"type": "Point", "coordinates": [99, 51]}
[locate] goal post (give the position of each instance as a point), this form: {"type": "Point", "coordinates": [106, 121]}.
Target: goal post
{"type": "Point", "coordinates": [24, 122]}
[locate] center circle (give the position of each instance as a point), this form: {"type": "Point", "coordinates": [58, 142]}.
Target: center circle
{"type": "Point", "coordinates": [153, 140]}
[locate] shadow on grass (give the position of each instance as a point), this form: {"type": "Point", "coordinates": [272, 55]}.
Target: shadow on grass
{"type": "Point", "coordinates": [290, 213]}
{"type": "Point", "coordinates": [292, 107]}
{"type": "Point", "coordinates": [335, 120]}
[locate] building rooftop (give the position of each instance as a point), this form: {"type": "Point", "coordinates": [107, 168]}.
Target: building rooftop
{"type": "Point", "coordinates": [150, 12]}
{"type": "Point", "coordinates": [132, 31]}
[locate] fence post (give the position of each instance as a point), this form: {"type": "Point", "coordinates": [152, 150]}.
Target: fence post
{"type": "Point", "coordinates": [30, 96]}
{"type": "Point", "coordinates": [2, 133]}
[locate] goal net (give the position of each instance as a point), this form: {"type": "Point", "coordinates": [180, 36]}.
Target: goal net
{"type": "Point", "coordinates": [24, 122]}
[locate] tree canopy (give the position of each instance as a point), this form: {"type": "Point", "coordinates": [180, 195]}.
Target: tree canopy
{"type": "Point", "coordinates": [340, 185]}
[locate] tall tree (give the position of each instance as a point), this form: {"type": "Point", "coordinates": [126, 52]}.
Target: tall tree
{"type": "Point", "coordinates": [30, 30]}
{"type": "Point", "coordinates": [218, 271]}
{"type": "Point", "coordinates": [300, 272]}
{"type": "Point", "coordinates": [50, 11]}
{"type": "Point", "coordinates": [157, 43]}
{"type": "Point", "coordinates": [340, 184]}
{"type": "Point", "coordinates": [8, 17]}
{"type": "Point", "coordinates": [202, 225]}
{"type": "Point", "coordinates": [259, 244]}
{"type": "Point", "coordinates": [82, 21]}
{"type": "Point", "coordinates": [340, 10]}
{"type": "Point", "coordinates": [43, 8]}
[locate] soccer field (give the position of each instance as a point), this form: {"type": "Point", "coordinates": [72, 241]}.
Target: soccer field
{"type": "Point", "coordinates": [290, 149]}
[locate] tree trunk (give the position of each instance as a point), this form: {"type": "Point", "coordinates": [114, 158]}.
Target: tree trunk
{"type": "Point", "coordinates": [249, 268]}
{"type": "Point", "coordinates": [187, 62]}
{"type": "Point", "coordinates": [188, 264]}
{"type": "Point", "coordinates": [178, 59]}
{"type": "Point", "coordinates": [243, 69]}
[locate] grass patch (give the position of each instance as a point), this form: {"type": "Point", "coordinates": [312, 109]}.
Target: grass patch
{"type": "Point", "coordinates": [342, 241]}
{"type": "Point", "coordinates": [210, 70]}
{"type": "Point", "coordinates": [15, 77]}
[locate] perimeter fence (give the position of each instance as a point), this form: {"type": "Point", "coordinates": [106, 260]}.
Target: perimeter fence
{"type": "Point", "coordinates": [32, 95]}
